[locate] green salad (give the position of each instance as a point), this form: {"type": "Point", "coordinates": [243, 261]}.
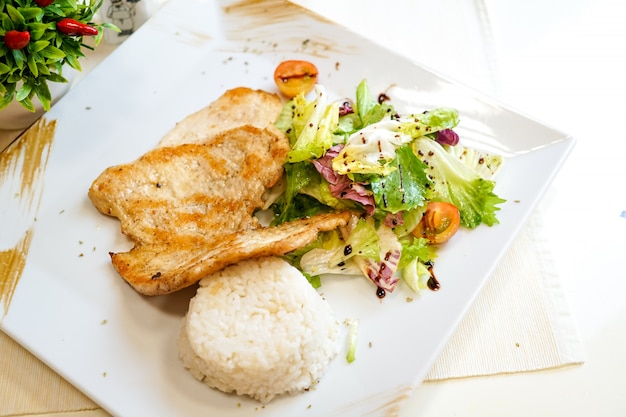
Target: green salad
{"type": "Point", "coordinates": [407, 178]}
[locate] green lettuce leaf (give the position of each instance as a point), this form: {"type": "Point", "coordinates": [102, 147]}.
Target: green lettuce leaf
{"type": "Point", "coordinates": [429, 122]}
{"type": "Point", "coordinates": [362, 242]}
{"type": "Point", "coordinates": [405, 187]}
{"type": "Point", "coordinates": [371, 149]}
{"type": "Point", "coordinates": [368, 108]}
{"type": "Point", "coordinates": [293, 205]}
{"type": "Point", "coordinates": [313, 123]}
{"type": "Point", "coordinates": [456, 183]}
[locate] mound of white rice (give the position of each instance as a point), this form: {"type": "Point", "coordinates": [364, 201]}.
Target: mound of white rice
{"type": "Point", "coordinates": [258, 328]}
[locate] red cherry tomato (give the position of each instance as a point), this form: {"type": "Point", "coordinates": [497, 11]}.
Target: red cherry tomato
{"type": "Point", "coordinates": [440, 222]}
{"type": "Point", "coordinates": [294, 77]}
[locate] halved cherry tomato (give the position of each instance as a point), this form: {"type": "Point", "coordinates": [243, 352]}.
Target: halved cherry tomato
{"type": "Point", "coordinates": [440, 222]}
{"type": "Point", "coordinates": [294, 77]}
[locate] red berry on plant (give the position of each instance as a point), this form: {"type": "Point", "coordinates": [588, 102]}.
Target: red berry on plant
{"type": "Point", "coordinates": [73, 27]}
{"type": "Point", "coordinates": [44, 3]}
{"type": "Point", "coordinates": [14, 39]}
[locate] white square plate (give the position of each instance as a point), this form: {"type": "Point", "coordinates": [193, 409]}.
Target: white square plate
{"type": "Point", "coordinates": [71, 309]}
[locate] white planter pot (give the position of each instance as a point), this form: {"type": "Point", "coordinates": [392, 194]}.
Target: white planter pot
{"type": "Point", "coordinates": [16, 117]}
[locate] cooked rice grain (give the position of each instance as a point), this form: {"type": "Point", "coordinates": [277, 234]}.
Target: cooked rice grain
{"type": "Point", "coordinates": [258, 328]}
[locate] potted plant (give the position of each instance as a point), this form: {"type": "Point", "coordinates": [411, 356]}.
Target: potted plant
{"type": "Point", "coordinates": [38, 40]}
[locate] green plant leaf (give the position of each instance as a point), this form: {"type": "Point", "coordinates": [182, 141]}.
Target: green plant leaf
{"type": "Point", "coordinates": [8, 90]}
{"type": "Point", "coordinates": [7, 24]}
{"type": "Point", "coordinates": [72, 4]}
{"type": "Point", "coordinates": [58, 40]}
{"type": "Point", "coordinates": [19, 57]}
{"type": "Point", "coordinates": [109, 26]}
{"type": "Point", "coordinates": [15, 15]}
{"type": "Point", "coordinates": [98, 38]}
{"type": "Point", "coordinates": [38, 46]}
{"type": "Point", "coordinates": [4, 69]}
{"type": "Point", "coordinates": [27, 103]}
{"type": "Point", "coordinates": [43, 68]}
{"type": "Point", "coordinates": [32, 66]}
{"type": "Point", "coordinates": [49, 35]}
{"type": "Point", "coordinates": [54, 9]}
{"type": "Point", "coordinates": [30, 12]}
{"type": "Point", "coordinates": [6, 99]}
{"type": "Point", "coordinates": [52, 52]}
{"type": "Point", "coordinates": [57, 78]}
{"type": "Point", "coordinates": [37, 30]}
{"type": "Point", "coordinates": [14, 77]}
{"type": "Point", "coordinates": [73, 62]}
{"type": "Point", "coordinates": [43, 94]}
{"type": "Point", "coordinates": [23, 92]}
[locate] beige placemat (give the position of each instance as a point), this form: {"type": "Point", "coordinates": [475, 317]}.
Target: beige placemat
{"type": "Point", "coordinates": [520, 322]}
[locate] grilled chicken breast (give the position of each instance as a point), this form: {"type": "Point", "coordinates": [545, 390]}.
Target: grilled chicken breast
{"type": "Point", "coordinates": [237, 107]}
{"type": "Point", "coordinates": [188, 205]}
{"type": "Point", "coordinates": [165, 267]}
{"type": "Point", "coordinates": [193, 190]}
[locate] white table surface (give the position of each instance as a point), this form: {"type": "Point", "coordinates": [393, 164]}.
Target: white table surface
{"type": "Point", "coordinates": [562, 62]}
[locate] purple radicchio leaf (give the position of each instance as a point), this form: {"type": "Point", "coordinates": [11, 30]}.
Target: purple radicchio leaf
{"type": "Point", "coordinates": [346, 107]}
{"type": "Point", "coordinates": [340, 185]}
{"type": "Point", "coordinates": [447, 137]}
{"type": "Point", "coordinates": [383, 273]}
{"type": "Point", "coordinates": [394, 219]}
